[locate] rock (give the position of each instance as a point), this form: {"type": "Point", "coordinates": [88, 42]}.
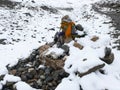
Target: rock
{"type": "Point", "coordinates": [30, 69]}
{"type": "Point", "coordinates": [33, 55]}
{"type": "Point", "coordinates": [94, 38]}
{"type": "Point", "coordinates": [13, 72]}
{"type": "Point", "coordinates": [108, 59]}
{"type": "Point", "coordinates": [1, 77]}
{"type": "Point", "coordinates": [21, 69]}
{"type": "Point", "coordinates": [56, 64]}
{"type": "Point", "coordinates": [48, 70]}
{"type": "Point", "coordinates": [2, 41]}
{"type": "Point", "coordinates": [50, 84]}
{"type": "Point", "coordinates": [42, 77]}
{"type": "Point", "coordinates": [29, 76]}
{"type": "Point", "coordinates": [50, 9]}
{"type": "Point", "coordinates": [66, 49]}
{"type": "Point", "coordinates": [79, 27]}
{"type": "Point", "coordinates": [78, 45]}
{"type": "Point", "coordinates": [8, 86]}
{"type": "Point", "coordinates": [93, 69]}
{"type": "Point", "coordinates": [48, 79]}
{"type": "Point", "coordinates": [24, 77]}
{"type": "Point", "coordinates": [39, 82]}
{"type": "Point", "coordinates": [109, 56]}
{"type": "Point", "coordinates": [107, 51]}
{"type": "Point", "coordinates": [43, 48]}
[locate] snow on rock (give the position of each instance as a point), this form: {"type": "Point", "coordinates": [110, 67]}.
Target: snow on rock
{"type": "Point", "coordinates": [22, 85]}
{"type": "Point", "coordinates": [82, 60]}
{"type": "Point", "coordinates": [3, 70]}
{"type": "Point", "coordinates": [54, 52]}
{"type": "Point", "coordinates": [10, 78]}
{"type": "Point", "coordinates": [29, 27]}
{"type": "Point", "coordinates": [0, 86]}
{"type": "Point", "coordinates": [68, 84]}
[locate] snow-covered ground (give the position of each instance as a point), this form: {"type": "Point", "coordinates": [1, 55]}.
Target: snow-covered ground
{"type": "Point", "coordinates": [27, 28]}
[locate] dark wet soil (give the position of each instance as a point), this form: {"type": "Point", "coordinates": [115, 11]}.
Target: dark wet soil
{"type": "Point", "coordinates": [114, 13]}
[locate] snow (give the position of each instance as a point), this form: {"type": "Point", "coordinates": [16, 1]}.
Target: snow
{"type": "Point", "coordinates": [22, 85]}
{"type": "Point", "coordinates": [55, 52]}
{"type": "Point", "coordinates": [10, 78]}
{"type": "Point", "coordinates": [68, 84]}
{"type": "Point", "coordinates": [23, 33]}
{"type": "Point", "coordinates": [3, 70]}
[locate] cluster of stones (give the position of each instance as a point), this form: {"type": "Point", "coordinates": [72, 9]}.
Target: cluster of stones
{"type": "Point", "coordinates": [36, 73]}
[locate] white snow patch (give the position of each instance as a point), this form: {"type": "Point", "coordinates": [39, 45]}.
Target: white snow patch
{"type": "Point", "coordinates": [22, 85]}
{"type": "Point", "coordinates": [10, 78]}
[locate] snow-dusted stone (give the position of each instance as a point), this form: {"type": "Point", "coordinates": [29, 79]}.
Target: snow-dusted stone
{"type": "Point", "coordinates": [1, 86]}
{"type": "Point", "coordinates": [93, 69]}
{"type": "Point", "coordinates": [94, 38]}
{"type": "Point", "coordinates": [82, 62]}
{"type": "Point", "coordinates": [53, 56]}
{"type": "Point", "coordinates": [78, 45]}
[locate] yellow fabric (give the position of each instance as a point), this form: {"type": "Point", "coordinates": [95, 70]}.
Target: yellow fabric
{"type": "Point", "coordinates": [67, 28]}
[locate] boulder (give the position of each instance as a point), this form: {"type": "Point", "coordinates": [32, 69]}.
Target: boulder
{"type": "Point", "coordinates": [78, 45]}
{"type": "Point", "coordinates": [79, 27]}
{"type": "Point", "coordinates": [109, 56]}
{"type": "Point", "coordinates": [93, 69]}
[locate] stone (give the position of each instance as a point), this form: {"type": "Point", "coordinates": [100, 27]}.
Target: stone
{"type": "Point", "coordinates": [21, 69]}
{"type": "Point", "coordinates": [94, 38]}
{"type": "Point", "coordinates": [43, 48]}
{"type": "Point", "coordinates": [108, 59]}
{"type": "Point", "coordinates": [23, 77]}
{"type": "Point", "coordinates": [79, 27]}
{"type": "Point", "coordinates": [1, 77]}
{"type": "Point", "coordinates": [109, 56]}
{"type": "Point", "coordinates": [13, 72]}
{"type": "Point", "coordinates": [49, 78]}
{"type": "Point", "coordinates": [39, 82]}
{"type": "Point", "coordinates": [56, 64]}
{"type": "Point", "coordinates": [30, 69]}
{"type": "Point", "coordinates": [29, 76]}
{"type": "Point", "coordinates": [47, 71]}
{"type": "Point", "coordinates": [93, 69]}
{"type": "Point", "coordinates": [78, 45]}
{"type": "Point", "coordinates": [66, 49]}
{"type": "Point", "coordinates": [42, 77]}
{"type": "Point", "coordinates": [10, 83]}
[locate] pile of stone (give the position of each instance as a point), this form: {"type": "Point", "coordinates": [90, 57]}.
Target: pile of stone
{"type": "Point", "coordinates": [43, 70]}
{"type": "Point", "coordinates": [40, 73]}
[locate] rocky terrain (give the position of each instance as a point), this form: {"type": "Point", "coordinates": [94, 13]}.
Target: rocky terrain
{"type": "Point", "coordinates": [42, 70]}
{"type": "Point", "coordinates": [112, 10]}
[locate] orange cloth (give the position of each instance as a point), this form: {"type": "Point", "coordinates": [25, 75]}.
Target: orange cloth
{"type": "Point", "coordinates": [68, 28]}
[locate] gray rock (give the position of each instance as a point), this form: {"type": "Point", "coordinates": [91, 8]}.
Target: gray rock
{"type": "Point", "coordinates": [23, 77]}
{"type": "Point", "coordinates": [79, 27]}
{"type": "Point", "coordinates": [29, 76]}
{"type": "Point", "coordinates": [42, 77]}
{"type": "Point", "coordinates": [49, 79]}
{"type": "Point", "coordinates": [66, 49]}
{"type": "Point", "coordinates": [39, 82]}
{"type": "Point", "coordinates": [109, 56]}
